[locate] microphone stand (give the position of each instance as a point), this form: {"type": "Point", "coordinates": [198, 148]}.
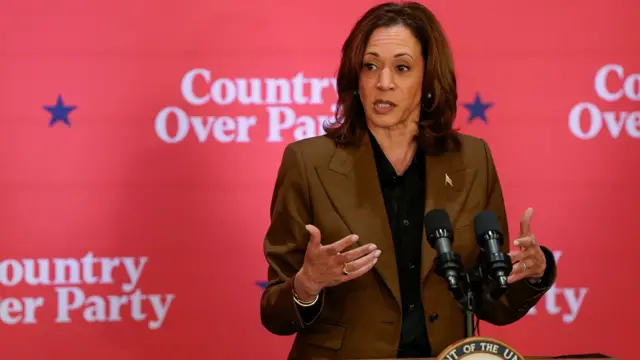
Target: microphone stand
{"type": "Point", "coordinates": [469, 308]}
{"type": "Point", "coordinates": [472, 285]}
{"type": "Point", "coordinates": [465, 286]}
{"type": "Point", "coordinates": [477, 290]}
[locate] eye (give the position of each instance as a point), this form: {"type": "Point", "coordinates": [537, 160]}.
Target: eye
{"type": "Point", "coordinates": [402, 68]}
{"type": "Point", "coordinates": [369, 66]}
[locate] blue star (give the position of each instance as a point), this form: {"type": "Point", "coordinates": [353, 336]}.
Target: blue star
{"type": "Point", "coordinates": [59, 112]}
{"type": "Point", "coordinates": [262, 284]}
{"type": "Point", "coordinates": [477, 109]}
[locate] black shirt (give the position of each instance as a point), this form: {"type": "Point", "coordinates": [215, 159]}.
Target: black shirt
{"type": "Point", "coordinates": [404, 199]}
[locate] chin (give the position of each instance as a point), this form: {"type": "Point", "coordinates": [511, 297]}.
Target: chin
{"type": "Point", "coordinates": [383, 121]}
{"type": "Point", "coordinates": [392, 123]}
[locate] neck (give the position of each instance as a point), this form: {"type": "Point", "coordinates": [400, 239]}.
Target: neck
{"type": "Point", "coordinates": [399, 146]}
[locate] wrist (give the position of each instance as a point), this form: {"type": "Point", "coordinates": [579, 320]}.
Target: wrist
{"type": "Point", "coordinates": [304, 288]}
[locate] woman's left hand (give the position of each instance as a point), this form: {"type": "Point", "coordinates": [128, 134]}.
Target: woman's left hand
{"type": "Point", "coordinates": [529, 261]}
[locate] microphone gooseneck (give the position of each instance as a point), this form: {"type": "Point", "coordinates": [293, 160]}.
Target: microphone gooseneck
{"type": "Point", "coordinates": [495, 264]}
{"type": "Point", "coordinates": [440, 236]}
{"type": "Point", "coordinates": [477, 288]}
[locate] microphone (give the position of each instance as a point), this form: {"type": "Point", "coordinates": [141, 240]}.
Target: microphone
{"type": "Point", "coordinates": [495, 264]}
{"type": "Point", "coordinates": [440, 236]}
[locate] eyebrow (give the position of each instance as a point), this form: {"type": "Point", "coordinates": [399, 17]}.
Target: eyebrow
{"type": "Point", "coordinates": [395, 56]}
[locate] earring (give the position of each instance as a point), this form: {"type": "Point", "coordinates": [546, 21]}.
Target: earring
{"type": "Point", "coordinates": [429, 95]}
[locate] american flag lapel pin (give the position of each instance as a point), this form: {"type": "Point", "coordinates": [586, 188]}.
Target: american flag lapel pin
{"type": "Point", "coordinates": [447, 180]}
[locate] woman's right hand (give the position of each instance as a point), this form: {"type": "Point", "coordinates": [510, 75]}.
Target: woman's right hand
{"type": "Point", "coordinates": [326, 265]}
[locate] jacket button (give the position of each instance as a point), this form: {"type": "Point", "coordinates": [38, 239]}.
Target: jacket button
{"type": "Point", "coordinates": [433, 317]}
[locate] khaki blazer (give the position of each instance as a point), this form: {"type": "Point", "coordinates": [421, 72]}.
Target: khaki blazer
{"type": "Point", "coordinates": [336, 189]}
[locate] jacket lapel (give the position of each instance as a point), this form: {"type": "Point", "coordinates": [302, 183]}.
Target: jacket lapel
{"type": "Point", "coordinates": [351, 182]}
{"type": "Point", "coordinates": [448, 185]}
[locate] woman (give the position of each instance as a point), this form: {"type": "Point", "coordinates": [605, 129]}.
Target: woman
{"type": "Point", "coordinates": [349, 270]}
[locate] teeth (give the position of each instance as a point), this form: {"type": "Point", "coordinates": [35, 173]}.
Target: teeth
{"type": "Point", "coordinates": [383, 105]}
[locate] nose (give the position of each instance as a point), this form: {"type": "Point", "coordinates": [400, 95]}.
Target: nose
{"type": "Point", "coordinates": [385, 80]}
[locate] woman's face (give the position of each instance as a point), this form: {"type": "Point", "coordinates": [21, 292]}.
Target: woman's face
{"type": "Point", "coordinates": [391, 79]}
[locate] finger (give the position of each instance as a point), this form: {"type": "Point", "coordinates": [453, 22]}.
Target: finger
{"type": "Point", "coordinates": [525, 242]}
{"type": "Point", "coordinates": [360, 271]}
{"type": "Point", "coordinates": [363, 261]}
{"type": "Point", "coordinates": [517, 255]}
{"type": "Point", "coordinates": [525, 222]}
{"type": "Point", "coordinates": [314, 236]}
{"type": "Point", "coordinates": [338, 246]}
{"type": "Point", "coordinates": [358, 252]}
{"type": "Point", "coordinates": [514, 278]}
{"type": "Point", "coordinates": [521, 267]}
{"type": "Point", "coordinates": [519, 271]}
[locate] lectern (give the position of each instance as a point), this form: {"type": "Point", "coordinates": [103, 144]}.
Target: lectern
{"type": "Point", "coordinates": [483, 348]}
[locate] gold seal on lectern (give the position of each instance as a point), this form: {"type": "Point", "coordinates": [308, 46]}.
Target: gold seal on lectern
{"type": "Point", "coordinates": [479, 348]}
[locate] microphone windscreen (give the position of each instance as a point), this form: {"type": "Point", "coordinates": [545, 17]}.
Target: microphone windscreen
{"type": "Point", "coordinates": [437, 219]}
{"type": "Point", "coordinates": [485, 221]}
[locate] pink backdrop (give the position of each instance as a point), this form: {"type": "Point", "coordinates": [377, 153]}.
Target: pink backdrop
{"type": "Point", "coordinates": [143, 217]}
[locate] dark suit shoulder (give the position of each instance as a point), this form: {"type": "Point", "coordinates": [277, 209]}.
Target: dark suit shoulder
{"type": "Point", "coordinates": [474, 150]}
{"type": "Point", "coordinates": [315, 150]}
{"type": "Point", "coordinates": [319, 150]}
{"type": "Point", "coordinates": [472, 143]}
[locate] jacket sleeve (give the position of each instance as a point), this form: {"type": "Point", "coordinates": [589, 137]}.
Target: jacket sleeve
{"type": "Point", "coordinates": [522, 295]}
{"type": "Point", "coordinates": [284, 248]}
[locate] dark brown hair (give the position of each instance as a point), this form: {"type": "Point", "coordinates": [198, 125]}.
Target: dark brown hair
{"type": "Point", "coordinates": [436, 134]}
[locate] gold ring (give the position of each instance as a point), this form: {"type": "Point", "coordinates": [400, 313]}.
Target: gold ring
{"type": "Point", "coordinates": [344, 271]}
{"type": "Point", "coordinates": [524, 267]}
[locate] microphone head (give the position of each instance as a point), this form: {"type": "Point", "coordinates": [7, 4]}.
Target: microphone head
{"type": "Point", "coordinates": [486, 221]}
{"type": "Point", "coordinates": [495, 263]}
{"type": "Point", "coordinates": [437, 224]}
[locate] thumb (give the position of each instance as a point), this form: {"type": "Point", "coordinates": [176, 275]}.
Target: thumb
{"type": "Point", "coordinates": [525, 222]}
{"type": "Point", "coordinates": [314, 232]}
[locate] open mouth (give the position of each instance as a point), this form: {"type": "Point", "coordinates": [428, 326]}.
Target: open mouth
{"type": "Point", "coordinates": [383, 105]}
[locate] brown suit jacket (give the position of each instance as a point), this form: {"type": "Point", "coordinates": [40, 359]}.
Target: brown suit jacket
{"type": "Point", "coordinates": [336, 189]}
